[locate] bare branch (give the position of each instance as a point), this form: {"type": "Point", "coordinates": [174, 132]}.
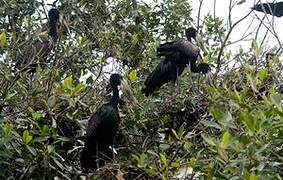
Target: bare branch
{"type": "Point", "coordinates": [225, 41]}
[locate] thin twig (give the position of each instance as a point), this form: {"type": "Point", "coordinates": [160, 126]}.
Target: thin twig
{"type": "Point", "coordinates": [199, 9]}
{"type": "Point", "coordinates": [225, 41]}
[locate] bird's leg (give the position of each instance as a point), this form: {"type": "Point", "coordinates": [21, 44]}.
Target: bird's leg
{"type": "Point", "coordinates": [97, 156]}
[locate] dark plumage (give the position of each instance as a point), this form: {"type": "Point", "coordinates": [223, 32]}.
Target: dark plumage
{"type": "Point", "coordinates": [177, 55]}
{"type": "Point", "coordinates": [101, 129]}
{"type": "Point", "coordinates": [38, 52]}
{"type": "Point", "coordinates": [275, 9]}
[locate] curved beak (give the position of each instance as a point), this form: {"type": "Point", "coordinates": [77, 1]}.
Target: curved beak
{"type": "Point", "coordinates": [64, 25]}
{"type": "Point", "coordinates": [200, 44]}
{"type": "Point", "coordinates": [127, 92]}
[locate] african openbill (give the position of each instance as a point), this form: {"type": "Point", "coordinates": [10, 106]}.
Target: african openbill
{"type": "Point", "coordinates": [177, 55]}
{"type": "Point", "coordinates": [275, 9]}
{"type": "Point", "coordinates": [103, 125]}
{"type": "Point", "coordinates": [38, 52]}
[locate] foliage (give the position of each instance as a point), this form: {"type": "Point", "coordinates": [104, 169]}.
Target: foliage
{"type": "Point", "coordinates": [229, 126]}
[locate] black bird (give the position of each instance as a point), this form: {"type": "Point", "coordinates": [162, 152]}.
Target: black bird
{"type": "Point", "coordinates": [38, 52]}
{"type": "Point", "coordinates": [177, 55]}
{"type": "Point", "coordinates": [275, 9]}
{"type": "Point", "coordinates": [102, 127]}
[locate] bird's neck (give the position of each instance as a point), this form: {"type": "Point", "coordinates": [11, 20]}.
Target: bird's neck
{"type": "Point", "coordinates": [115, 97]}
{"type": "Point", "coordinates": [52, 30]}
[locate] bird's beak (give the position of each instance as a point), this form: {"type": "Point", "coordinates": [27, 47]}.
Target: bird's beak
{"type": "Point", "coordinates": [64, 25]}
{"type": "Point", "coordinates": [200, 44]}
{"type": "Point", "coordinates": [127, 92]}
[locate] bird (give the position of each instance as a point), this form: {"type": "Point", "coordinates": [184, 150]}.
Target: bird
{"type": "Point", "coordinates": [177, 55]}
{"type": "Point", "coordinates": [103, 126]}
{"type": "Point", "coordinates": [275, 9]}
{"type": "Point", "coordinates": [38, 52]}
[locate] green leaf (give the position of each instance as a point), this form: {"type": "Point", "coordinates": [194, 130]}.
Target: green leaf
{"type": "Point", "coordinates": [257, 48]}
{"type": "Point", "coordinates": [208, 140]}
{"type": "Point", "coordinates": [216, 113]}
{"type": "Point", "coordinates": [253, 177]}
{"type": "Point", "coordinates": [162, 158]}
{"type": "Point", "coordinates": [249, 121]}
{"type": "Point", "coordinates": [30, 109]}
{"type": "Point", "coordinates": [26, 137]}
{"type": "Point", "coordinates": [223, 154]}
{"type": "Point", "coordinates": [51, 101]}
{"type": "Point", "coordinates": [68, 82]}
{"type": "Point", "coordinates": [193, 162]}
{"type": "Point", "coordinates": [175, 134]}
{"type": "Point", "coordinates": [3, 39]}
{"type": "Point", "coordinates": [181, 130]}
{"type": "Point", "coordinates": [142, 162]}
{"type": "Point", "coordinates": [211, 124]}
{"type": "Point", "coordinates": [226, 139]}
{"type": "Point", "coordinates": [135, 157]}
{"type": "Point", "coordinates": [175, 164]}
{"type": "Point", "coordinates": [133, 75]}
{"type": "Point", "coordinates": [50, 149]}
{"type": "Point", "coordinates": [262, 74]}
{"type": "Point", "coordinates": [135, 39]}
{"type": "Point", "coordinates": [276, 99]}
{"type": "Point", "coordinates": [246, 174]}
{"type": "Point", "coordinates": [36, 116]}
{"type": "Point", "coordinates": [79, 87]}
{"type": "Point", "coordinates": [241, 2]}
{"type": "Point", "coordinates": [32, 150]}
{"type": "Point", "coordinates": [8, 129]}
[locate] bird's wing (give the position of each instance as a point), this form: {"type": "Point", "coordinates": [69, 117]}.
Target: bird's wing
{"type": "Point", "coordinates": [37, 52]}
{"type": "Point", "coordinates": [265, 7]}
{"type": "Point", "coordinates": [184, 47]}
{"type": "Point", "coordinates": [166, 71]}
{"type": "Point", "coordinates": [275, 9]}
{"type": "Point", "coordinates": [105, 118]}
{"type": "Point", "coordinates": [41, 49]}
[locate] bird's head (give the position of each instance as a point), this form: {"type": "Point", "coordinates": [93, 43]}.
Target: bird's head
{"type": "Point", "coordinates": [116, 80]}
{"type": "Point", "coordinates": [204, 68]}
{"type": "Point", "coordinates": [55, 17]}
{"type": "Point", "coordinates": [191, 33]}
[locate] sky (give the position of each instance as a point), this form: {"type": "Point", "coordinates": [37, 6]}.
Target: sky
{"type": "Point", "coordinates": [242, 29]}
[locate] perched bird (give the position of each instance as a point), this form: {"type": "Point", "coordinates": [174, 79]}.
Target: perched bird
{"type": "Point", "coordinates": [275, 9]}
{"type": "Point", "coordinates": [38, 52]}
{"type": "Point", "coordinates": [103, 125]}
{"type": "Point", "coordinates": [177, 55]}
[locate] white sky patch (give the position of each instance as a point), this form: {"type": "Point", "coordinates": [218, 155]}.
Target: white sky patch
{"type": "Point", "coordinates": [243, 28]}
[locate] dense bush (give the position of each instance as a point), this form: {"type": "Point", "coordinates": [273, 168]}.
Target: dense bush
{"type": "Point", "coordinates": [226, 125]}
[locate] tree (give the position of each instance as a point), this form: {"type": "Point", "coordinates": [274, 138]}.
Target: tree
{"type": "Point", "coordinates": [229, 126]}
